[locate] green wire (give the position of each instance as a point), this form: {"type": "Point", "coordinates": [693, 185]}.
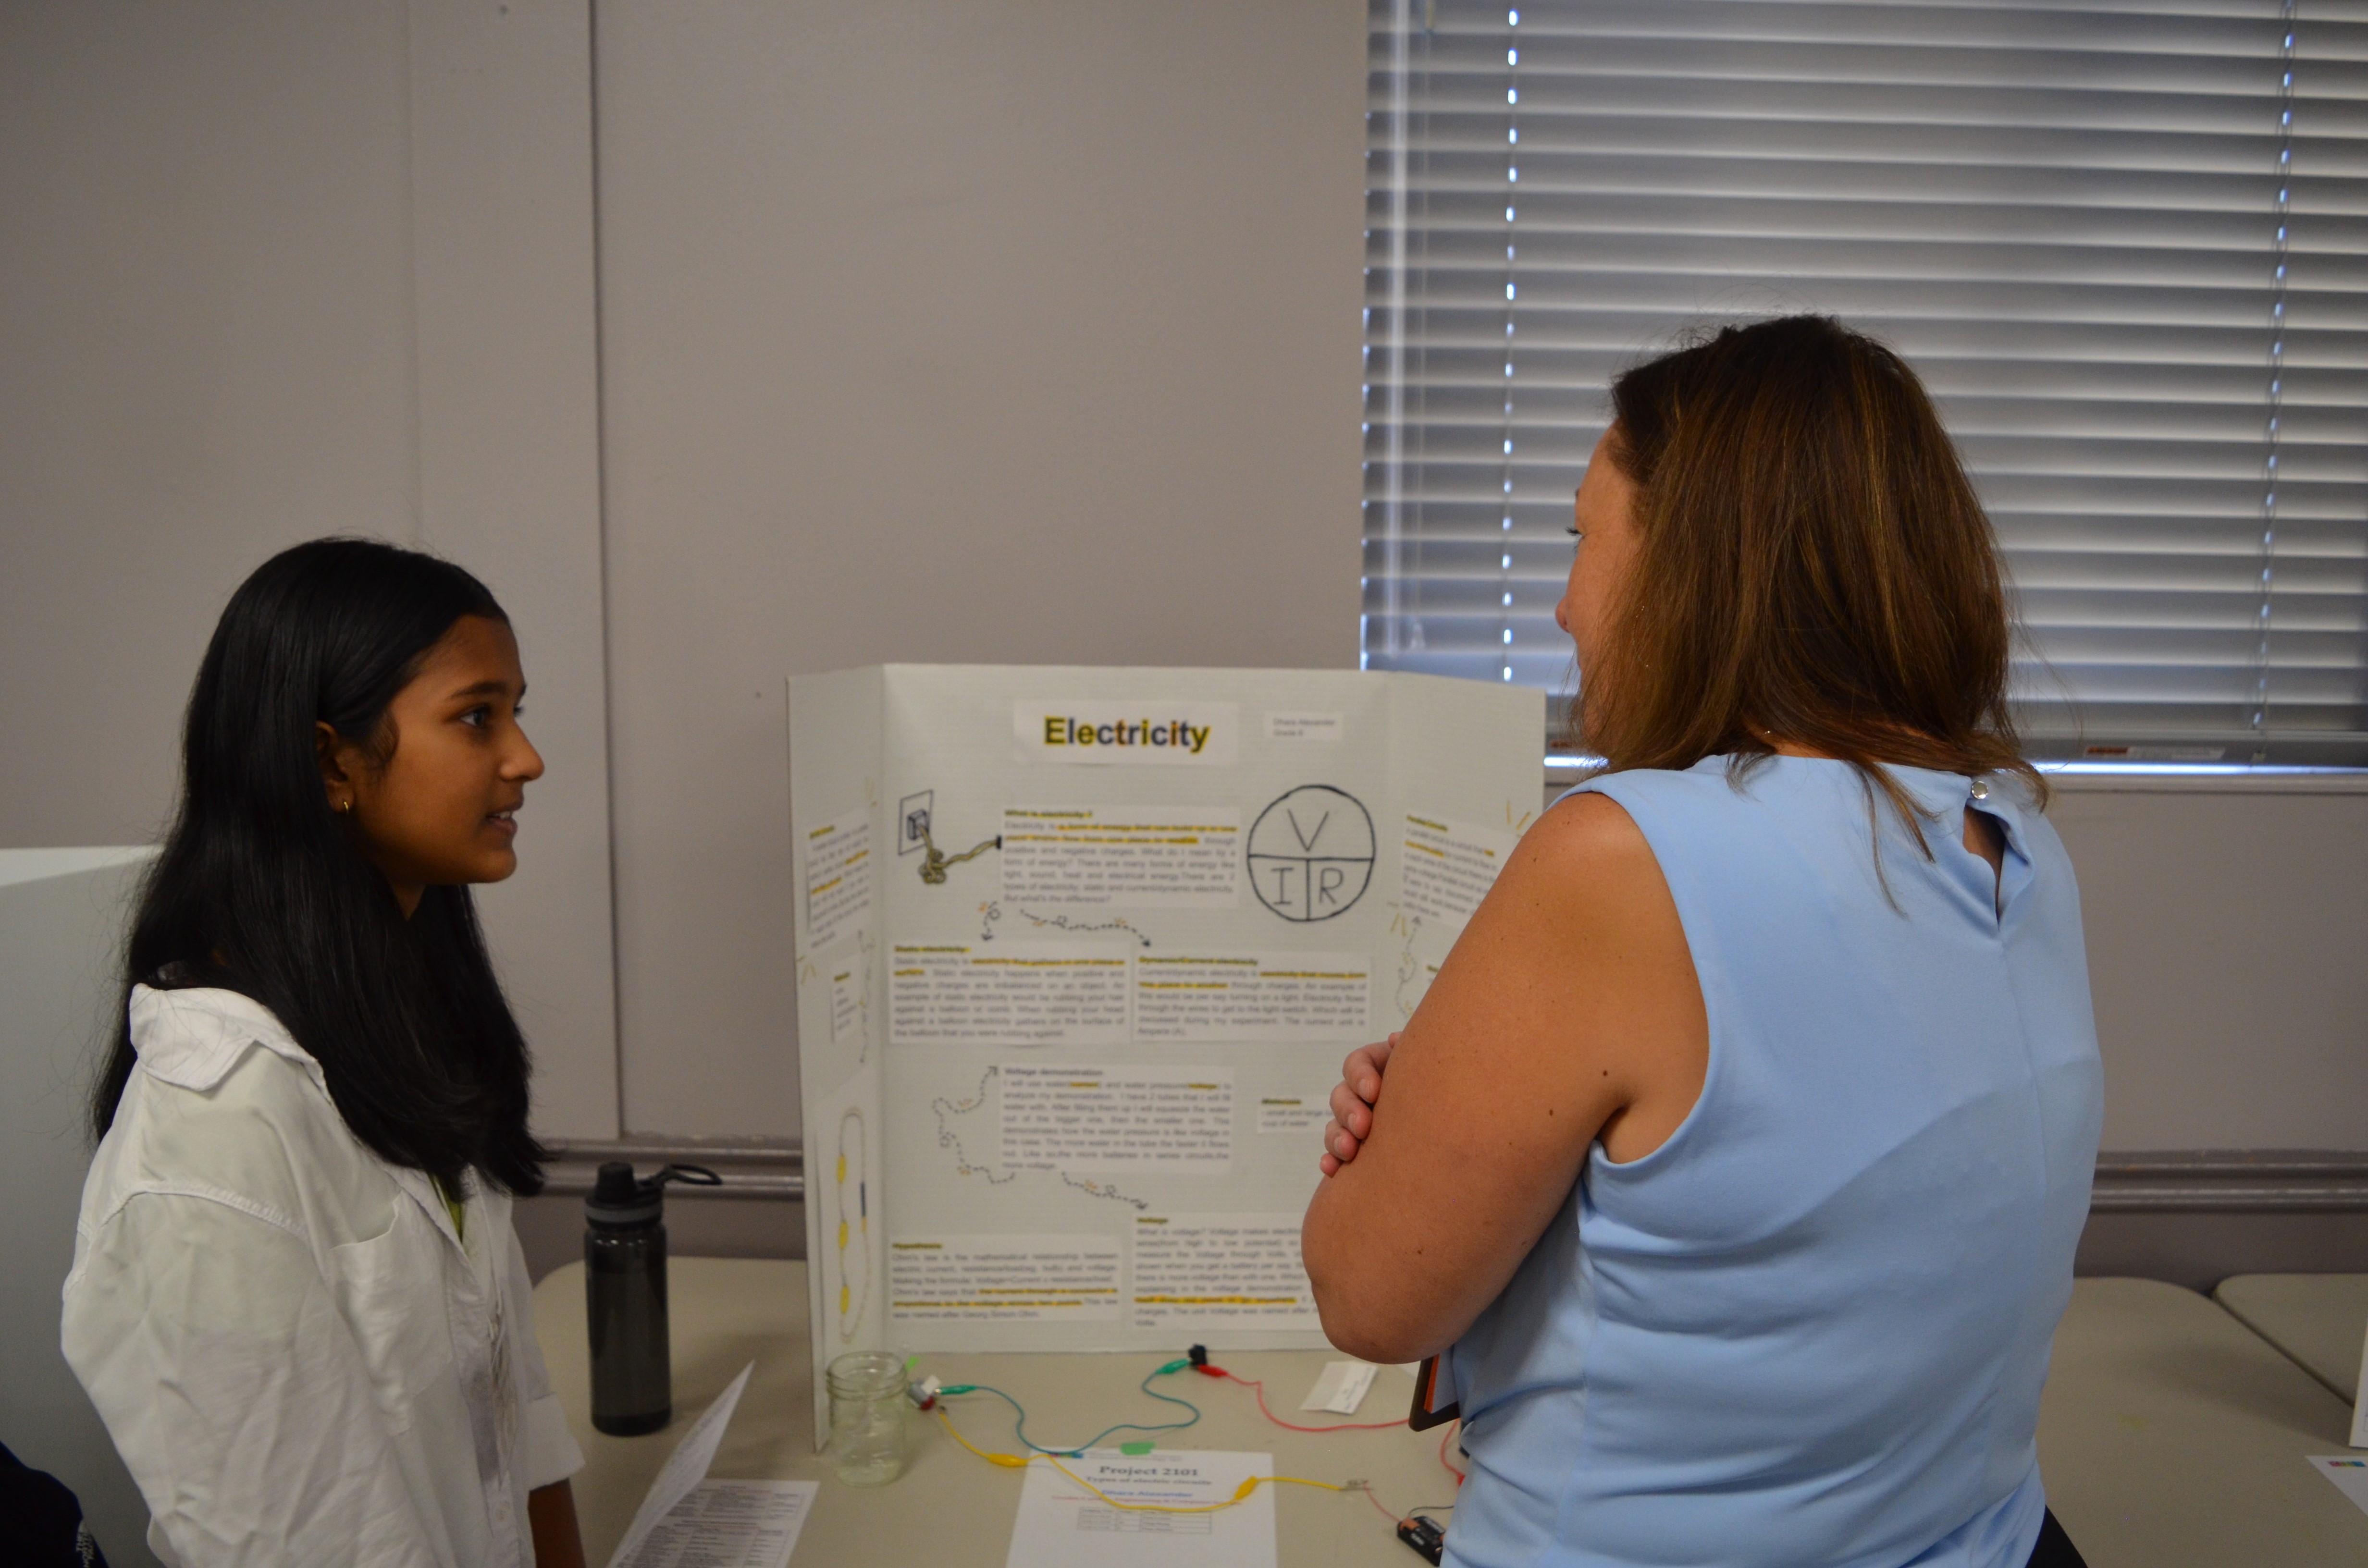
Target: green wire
{"type": "Point", "coordinates": [1019, 1426]}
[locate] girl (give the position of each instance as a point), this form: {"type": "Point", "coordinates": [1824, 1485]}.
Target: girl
{"type": "Point", "coordinates": [1736, 1157]}
{"type": "Point", "coordinates": [297, 1300]}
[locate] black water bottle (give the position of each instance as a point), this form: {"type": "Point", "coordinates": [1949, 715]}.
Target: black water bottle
{"type": "Point", "coordinates": [625, 1295]}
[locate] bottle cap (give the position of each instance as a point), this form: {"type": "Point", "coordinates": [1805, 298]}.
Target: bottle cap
{"type": "Point", "coordinates": [618, 1198]}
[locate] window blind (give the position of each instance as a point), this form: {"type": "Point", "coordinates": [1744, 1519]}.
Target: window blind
{"type": "Point", "coordinates": [2125, 245]}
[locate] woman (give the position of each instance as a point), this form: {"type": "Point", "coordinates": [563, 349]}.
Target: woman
{"type": "Point", "coordinates": [1735, 1162]}
{"type": "Point", "coordinates": [297, 1300]}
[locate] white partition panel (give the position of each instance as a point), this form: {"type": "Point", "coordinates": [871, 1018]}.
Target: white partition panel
{"type": "Point", "coordinates": [62, 913]}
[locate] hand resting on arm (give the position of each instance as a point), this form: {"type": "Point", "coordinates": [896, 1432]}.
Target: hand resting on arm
{"type": "Point", "coordinates": [1352, 1103]}
{"type": "Point", "coordinates": [1568, 1011]}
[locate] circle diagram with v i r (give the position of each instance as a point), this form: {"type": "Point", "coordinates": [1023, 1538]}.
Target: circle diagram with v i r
{"type": "Point", "coordinates": [1311, 852]}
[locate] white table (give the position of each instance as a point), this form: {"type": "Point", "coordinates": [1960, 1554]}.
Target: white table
{"type": "Point", "coordinates": [949, 1509]}
{"type": "Point", "coordinates": [2172, 1435]}
{"type": "Point", "coordinates": [2321, 1319]}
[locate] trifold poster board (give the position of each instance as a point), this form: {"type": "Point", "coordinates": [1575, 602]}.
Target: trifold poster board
{"type": "Point", "coordinates": [1078, 954]}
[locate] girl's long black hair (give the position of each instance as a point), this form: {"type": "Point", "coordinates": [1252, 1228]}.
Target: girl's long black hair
{"type": "Point", "coordinates": [262, 890]}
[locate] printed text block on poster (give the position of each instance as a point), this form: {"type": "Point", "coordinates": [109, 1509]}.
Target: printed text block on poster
{"type": "Point", "coordinates": [1117, 1119]}
{"type": "Point", "coordinates": [993, 1279]}
{"type": "Point", "coordinates": [1220, 1270]}
{"type": "Point", "coordinates": [1251, 997]}
{"type": "Point", "coordinates": [839, 880]}
{"type": "Point", "coordinates": [1136, 857]}
{"type": "Point", "coordinates": [1451, 865]}
{"type": "Point", "coordinates": [1007, 994]}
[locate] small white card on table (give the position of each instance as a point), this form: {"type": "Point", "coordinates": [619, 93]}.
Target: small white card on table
{"type": "Point", "coordinates": [1341, 1388]}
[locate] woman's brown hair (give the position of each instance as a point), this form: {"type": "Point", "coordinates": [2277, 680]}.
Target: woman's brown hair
{"type": "Point", "coordinates": [1813, 564]}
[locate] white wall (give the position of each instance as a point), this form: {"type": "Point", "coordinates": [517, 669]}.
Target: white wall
{"type": "Point", "coordinates": [2229, 955]}
{"type": "Point", "coordinates": [1013, 330]}
{"type": "Point", "coordinates": [506, 343]}
{"type": "Point", "coordinates": [1003, 330]}
{"type": "Point", "coordinates": [205, 300]}
{"type": "Point", "coordinates": [269, 270]}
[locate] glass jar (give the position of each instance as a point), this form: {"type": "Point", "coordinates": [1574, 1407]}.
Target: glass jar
{"type": "Point", "coordinates": [867, 1417]}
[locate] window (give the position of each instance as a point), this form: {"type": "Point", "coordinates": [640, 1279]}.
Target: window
{"type": "Point", "coordinates": [2125, 245]}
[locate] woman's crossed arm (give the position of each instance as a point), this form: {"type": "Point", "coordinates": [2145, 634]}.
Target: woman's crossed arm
{"type": "Point", "coordinates": [1568, 1011]}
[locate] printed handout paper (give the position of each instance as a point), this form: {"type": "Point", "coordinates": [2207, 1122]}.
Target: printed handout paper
{"type": "Point", "coordinates": [730, 1524]}
{"type": "Point", "coordinates": [2350, 1473]}
{"type": "Point", "coordinates": [1062, 1523]}
{"type": "Point", "coordinates": [684, 1468]}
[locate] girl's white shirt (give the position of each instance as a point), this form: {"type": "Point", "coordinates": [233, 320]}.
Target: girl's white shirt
{"type": "Point", "coordinates": [297, 1357]}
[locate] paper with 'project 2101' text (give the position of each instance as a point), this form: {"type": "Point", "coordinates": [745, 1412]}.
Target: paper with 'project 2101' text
{"type": "Point", "coordinates": [1064, 1525]}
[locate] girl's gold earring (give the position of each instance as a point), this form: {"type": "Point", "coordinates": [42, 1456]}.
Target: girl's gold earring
{"type": "Point", "coordinates": [344, 806]}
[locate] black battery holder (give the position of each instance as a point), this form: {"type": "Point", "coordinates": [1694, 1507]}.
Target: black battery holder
{"type": "Point", "coordinates": [1422, 1533]}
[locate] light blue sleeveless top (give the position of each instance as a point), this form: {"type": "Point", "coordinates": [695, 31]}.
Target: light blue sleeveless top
{"type": "Point", "coordinates": [1811, 1328]}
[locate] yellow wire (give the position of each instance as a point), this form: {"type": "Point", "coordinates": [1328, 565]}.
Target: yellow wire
{"type": "Point", "coordinates": [1021, 1461]}
{"type": "Point", "coordinates": [1016, 1462]}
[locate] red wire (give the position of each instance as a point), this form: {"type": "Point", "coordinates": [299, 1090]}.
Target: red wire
{"type": "Point", "coordinates": [1454, 1428]}
{"type": "Point", "coordinates": [1260, 1390]}
{"type": "Point", "coordinates": [1385, 1507]}
{"type": "Point", "coordinates": [1257, 1389]}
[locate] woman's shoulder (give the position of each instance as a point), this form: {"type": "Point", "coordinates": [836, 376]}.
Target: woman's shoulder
{"type": "Point", "coordinates": [1590, 820]}
{"type": "Point", "coordinates": [1733, 794]}
{"type": "Point", "coordinates": [1713, 783]}
{"type": "Point", "coordinates": [1587, 854]}
{"type": "Point", "coordinates": [1619, 812]}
